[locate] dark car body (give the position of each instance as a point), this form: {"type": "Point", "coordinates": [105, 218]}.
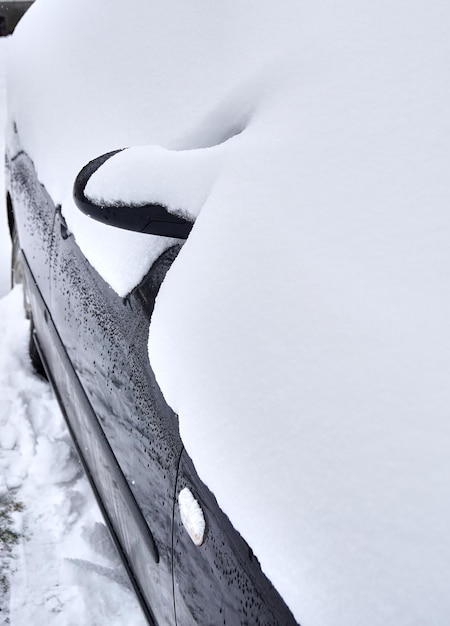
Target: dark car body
{"type": "Point", "coordinates": [93, 347]}
{"type": "Point", "coordinates": [11, 13]}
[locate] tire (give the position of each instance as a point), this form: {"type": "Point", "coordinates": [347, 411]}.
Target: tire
{"type": "Point", "coordinates": [17, 278]}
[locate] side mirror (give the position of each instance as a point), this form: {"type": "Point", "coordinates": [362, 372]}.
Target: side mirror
{"type": "Point", "coordinates": [153, 219]}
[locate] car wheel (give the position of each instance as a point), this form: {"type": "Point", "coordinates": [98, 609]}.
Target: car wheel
{"type": "Point", "coordinates": [17, 278]}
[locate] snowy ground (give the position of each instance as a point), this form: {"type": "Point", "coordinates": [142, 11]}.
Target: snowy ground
{"type": "Point", "coordinates": [57, 561]}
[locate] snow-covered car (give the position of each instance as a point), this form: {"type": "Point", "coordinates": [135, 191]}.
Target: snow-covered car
{"type": "Point", "coordinates": [250, 339]}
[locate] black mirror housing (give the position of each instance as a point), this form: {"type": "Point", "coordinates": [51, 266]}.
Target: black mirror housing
{"type": "Point", "coordinates": [153, 219]}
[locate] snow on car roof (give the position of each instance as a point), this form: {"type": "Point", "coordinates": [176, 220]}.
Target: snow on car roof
{"type": "Point", "coordinates": [302, 333]}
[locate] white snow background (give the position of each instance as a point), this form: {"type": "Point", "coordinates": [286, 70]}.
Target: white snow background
{"type": "Point", "coordinates": [65, 570]}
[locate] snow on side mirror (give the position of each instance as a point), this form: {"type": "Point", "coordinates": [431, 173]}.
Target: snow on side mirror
{"type": "Point", "coordinates": [153, 219]}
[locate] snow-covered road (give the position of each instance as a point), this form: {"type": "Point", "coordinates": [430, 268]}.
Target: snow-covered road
{"type": "Point", "coordinates": [58, 564]}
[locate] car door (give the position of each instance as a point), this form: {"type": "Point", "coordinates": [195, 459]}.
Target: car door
{"type": "Point", "coordinates": [126, 433]}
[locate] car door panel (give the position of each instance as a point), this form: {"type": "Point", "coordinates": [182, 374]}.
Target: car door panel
{"type": "Point", "coordinates": [106, 341]}
{"type": "Point", "coordinates": [121, 513]}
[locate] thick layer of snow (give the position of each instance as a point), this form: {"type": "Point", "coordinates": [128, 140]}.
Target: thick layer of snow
{"type": "Point", "coordinates": [302, 334]}
{"type": "Point", "coordinates": [65, 569]}
{"type": "Point", "coordinates": [181, 180]}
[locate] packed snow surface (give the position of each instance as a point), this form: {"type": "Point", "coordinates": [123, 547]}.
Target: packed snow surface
{"type": "Point", "coordinates": [302, 333]}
